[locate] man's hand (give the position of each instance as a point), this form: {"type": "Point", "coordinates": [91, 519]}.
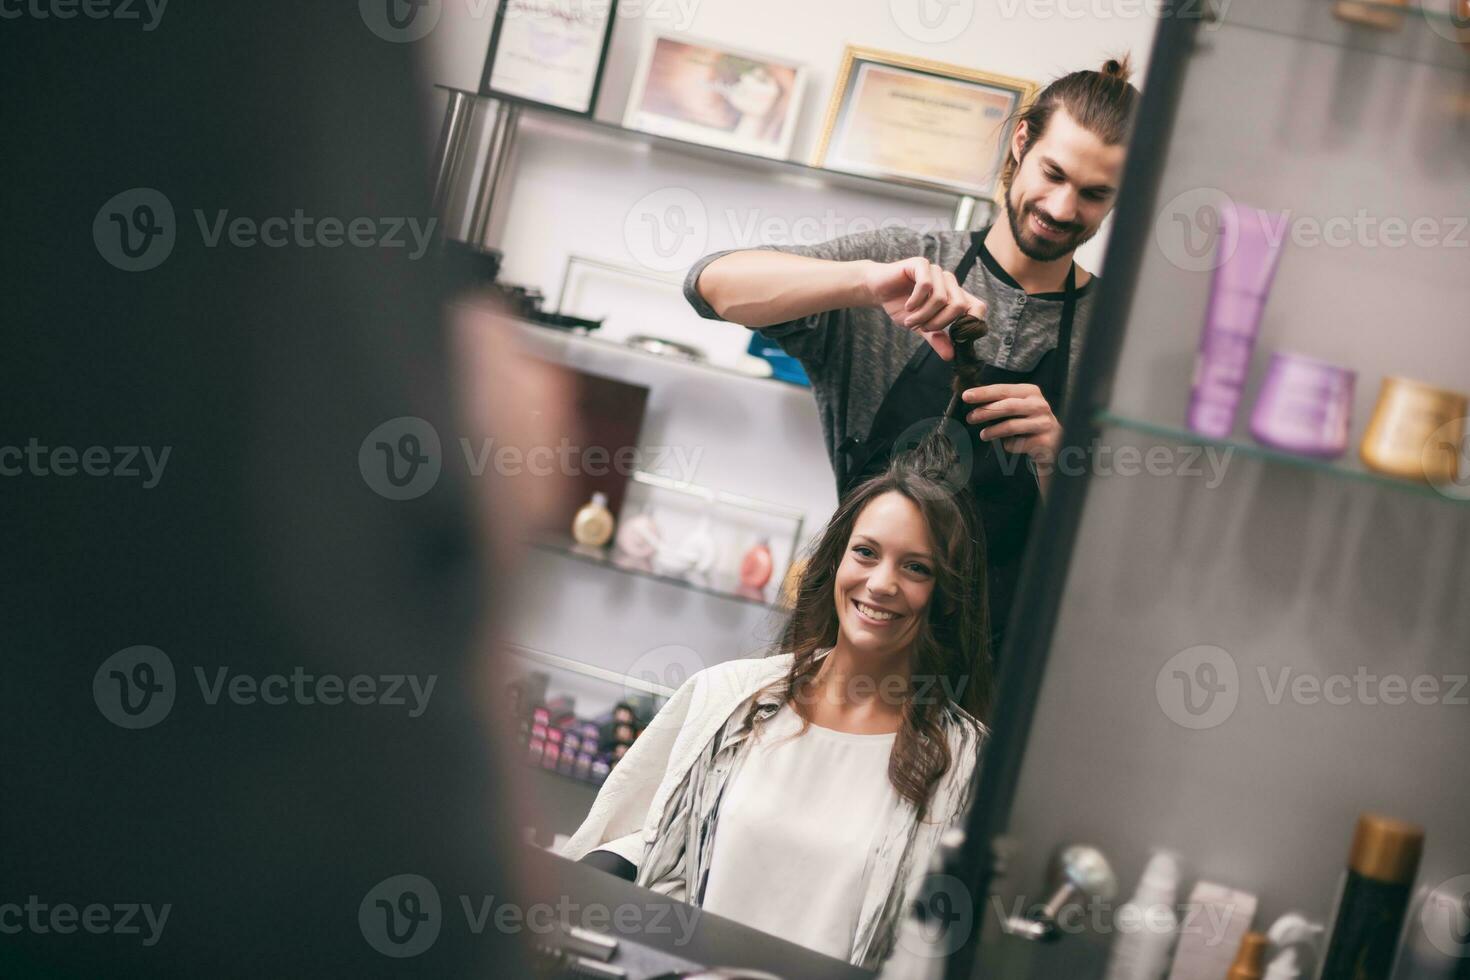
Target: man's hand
{"type": "Point", "coordinates": [1028, 424]}
{"type": "Point", "coordinates": [923, 297]}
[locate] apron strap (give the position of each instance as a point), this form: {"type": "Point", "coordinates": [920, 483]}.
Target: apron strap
{"type": "Point", "coordinates": [1057, 384]}
{"type": "Point", "coordinates": [1053, 387]}
{"type": "Point", "coordinates": [967, 264]}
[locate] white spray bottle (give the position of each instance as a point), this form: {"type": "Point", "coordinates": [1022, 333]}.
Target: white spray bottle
{"type": "Point", "coordinates": [1147, 926]}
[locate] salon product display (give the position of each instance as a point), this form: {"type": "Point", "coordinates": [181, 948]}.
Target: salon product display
{"type": "Point", "coordinates": [1305, 407]}
{"type": "Point", "coordinates": [551, 736]}
{"type": "Point", "coordinates": [1202, 956]}
{"type": "Point", "coordinates": [638, 538]}
{"type": "Point", "coordinates": [1415, 432]}
{"type": "Point", "coordinates": [694, 553]}
{"type": "Point", "coordinates": [1247, 259]}
{"type": "Point", "coordinates": [1374, 896]}
{"type": "Point", "coordinates": [593, 525]}
{"type": "Point", "coordinates": [756, 567]}
{"type": "Point", "coordinates": [704, 537]}
{"type": "Point", "coordinates": [1144, 953]}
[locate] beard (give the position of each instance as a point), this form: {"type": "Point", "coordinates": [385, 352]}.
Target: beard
{"type": "Point", "coordinates": [1035, 247]}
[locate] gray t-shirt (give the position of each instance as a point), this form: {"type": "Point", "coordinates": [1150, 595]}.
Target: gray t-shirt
{"type": "Point", "coordinates": [853, 356]}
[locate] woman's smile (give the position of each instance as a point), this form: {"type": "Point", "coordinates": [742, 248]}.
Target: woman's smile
{"type": "Point", "coordinates": [876, 616]}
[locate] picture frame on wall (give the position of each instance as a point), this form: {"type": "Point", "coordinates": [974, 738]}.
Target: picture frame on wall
{"type": "Point", "coordinates": [549, 53]}
{"type": "Point", "coordinates": [922, 122]}
{"type": "Point", "coordinates": [709, 93]}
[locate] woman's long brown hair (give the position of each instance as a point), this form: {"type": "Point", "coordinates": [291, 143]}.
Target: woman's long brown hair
{"type": "Point", "coordinates": [950, 659]}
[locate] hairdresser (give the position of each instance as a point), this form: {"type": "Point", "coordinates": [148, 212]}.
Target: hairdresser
{"type": "Point", "coordinates": [868, 315]}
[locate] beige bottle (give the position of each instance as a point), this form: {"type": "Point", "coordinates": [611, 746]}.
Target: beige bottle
{"type": "Point", "coordinates": [1377, 13]}
{"type": "Point", "coordinates": [593, 525]}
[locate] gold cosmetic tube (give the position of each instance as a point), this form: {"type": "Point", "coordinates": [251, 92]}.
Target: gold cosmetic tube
{"type": "Point", "coordinates": [1415, 432]}
{"type": "Point", "coordinates": [1377, 14]}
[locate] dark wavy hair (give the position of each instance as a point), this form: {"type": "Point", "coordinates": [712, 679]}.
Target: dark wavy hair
{"type": "Point", "coordinates": [951, 653]}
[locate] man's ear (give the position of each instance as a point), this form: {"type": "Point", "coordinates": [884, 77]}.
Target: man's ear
{"type": "Point", "coordinates": [1018, 141]}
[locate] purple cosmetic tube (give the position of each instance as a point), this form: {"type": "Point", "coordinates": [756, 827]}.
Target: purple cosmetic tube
{"type": "Point", "coordinates": [1237, 298]}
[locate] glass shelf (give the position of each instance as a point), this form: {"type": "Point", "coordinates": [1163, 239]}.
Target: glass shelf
{"type": "Point", "coordinates": [813, 176]}
{"type": "Point", "coordinates": [720, 586]}
{"type": "Point", "coordinates": [1336, 469]}
{"type": "Point", "coordinates": [540, 658]}
{"type": "Point", "coordinates": [1428, 31]}
{"type": "Point", "coordinates": [578, 336]}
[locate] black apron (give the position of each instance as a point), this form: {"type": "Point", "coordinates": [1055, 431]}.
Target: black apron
{"type": "Point", "coordinates": [1004, 485]}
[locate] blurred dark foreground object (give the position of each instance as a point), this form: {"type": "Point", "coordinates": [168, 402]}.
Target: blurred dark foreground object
{"type": "Point", "coordinates": [273, 834]}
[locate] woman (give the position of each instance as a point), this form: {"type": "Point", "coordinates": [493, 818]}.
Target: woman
{"type": "Point", "coordinates": [802, 793]}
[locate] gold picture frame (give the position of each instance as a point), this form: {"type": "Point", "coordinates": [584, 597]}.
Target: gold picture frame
{"type": "Point", "coordinates": [921, 128]}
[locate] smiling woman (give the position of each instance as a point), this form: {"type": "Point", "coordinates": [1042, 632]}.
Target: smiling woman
{"type": "Point", "coordinates": [804, 793]}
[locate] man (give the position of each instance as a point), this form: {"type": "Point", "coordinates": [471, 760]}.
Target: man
{"type": "Point", "coordinates": [867, 315]}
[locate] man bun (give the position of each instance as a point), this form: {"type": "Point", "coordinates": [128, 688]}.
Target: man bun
{"type": "Point", "coordinates": [1119, 68]}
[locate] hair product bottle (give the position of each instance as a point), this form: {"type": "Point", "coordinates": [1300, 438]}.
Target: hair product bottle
{"type": "Point", "coordinates": [756, 566]}
{"type": "Point", "coordinates": [1378, 13]}
{"type": "Point", "coordinates": [1374, 895]}
{"type": "Point", "coordinates": [1147, 925]}
{"type": "Point", "coordinates": [593, 525]}
{"type": "Point", "coordinates": [1250, 960]}
{"type": "Point", "coordinates": [1415, 431]}
{"type": "Point", "coordinates": [1248, 254]}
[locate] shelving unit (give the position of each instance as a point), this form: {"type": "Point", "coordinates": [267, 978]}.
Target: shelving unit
{"type": "Point", "coordinates": [721, 587]}
{"type": "Point", "coordinates": [1429, 28]}
{"type": "Point", "coordinates": [1341, 469]}
{"type": "Point", "coordinates": [593, 341]}
{"type": "Point", "coordinates": [719, 584]}
{"type": "Point", "coordinates": [817, 178]}
{"type": "Point", "coordinates": [560, 801]}
{"type": "Point", "coordinates": [1152, 602]}
{"type": "Point", "coordinates": [565, 664]}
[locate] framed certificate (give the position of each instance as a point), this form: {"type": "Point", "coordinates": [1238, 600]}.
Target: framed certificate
{"type": "Point", "coordinates": [712, 94]}
{"type": "Point", "coordinates": [920, 122]}
{"type": "Point", "coordinates": [549, 53]}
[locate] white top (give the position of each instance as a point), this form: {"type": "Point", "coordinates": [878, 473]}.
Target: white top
{"type": "Point", "coordinates": [796, 831]}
